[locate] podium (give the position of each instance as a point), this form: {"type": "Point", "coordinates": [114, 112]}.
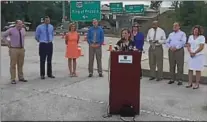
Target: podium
{"type": "Point", "coordinates": [124, 81]}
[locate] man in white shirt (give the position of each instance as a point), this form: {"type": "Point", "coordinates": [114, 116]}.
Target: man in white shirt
{"type": "Point", "coordinates": [156, 37]}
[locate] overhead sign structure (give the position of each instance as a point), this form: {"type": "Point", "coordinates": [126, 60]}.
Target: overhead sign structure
{"type": "Point", "coordinates": [134, 9]}
{"type": "Point", "coordinates": [85, 10]}
{"type": "Point", "coordinates": [116, 8]}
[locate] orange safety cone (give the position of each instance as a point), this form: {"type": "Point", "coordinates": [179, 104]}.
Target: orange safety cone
{"type": "Point", "coordinates": [80, 51]}
{"type": "Point", "coordinates": [104, 43]}
{"type": "Point", "coordinates": [85, 37]}
{"type": "Point", "coordinates": [110, 46]}
{"type": "Point", "coordinates": [63, 36]}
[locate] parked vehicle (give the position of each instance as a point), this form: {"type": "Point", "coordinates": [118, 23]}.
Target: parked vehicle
{"type": "Point", "coordinates": [12, 24]}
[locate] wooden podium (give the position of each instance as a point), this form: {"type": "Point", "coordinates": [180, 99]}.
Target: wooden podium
{"type": "Point", "coordinates": [124, 81]}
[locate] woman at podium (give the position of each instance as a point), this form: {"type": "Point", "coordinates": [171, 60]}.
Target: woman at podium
{"type": "Point", "coordinates": [125, 43]}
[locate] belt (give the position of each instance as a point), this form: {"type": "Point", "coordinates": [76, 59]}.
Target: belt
{"type": "Point", "coordinates": [46, 42]}
{"type": "Point", "coordinates": [179, 49]}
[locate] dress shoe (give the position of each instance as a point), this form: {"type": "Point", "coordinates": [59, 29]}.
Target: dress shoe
{"type": "Point", "coordinates": [151, 78]}
{"type": "Point", "coordinates": [42, 77]}
{"type": "Point", "coordinates": [180, 83]}
{"type": "Point", "coordinates": [100, 75]}
{"type": "Point", "coordinates": [13, 82]}
{"type": "Point", "coordinates": [22, 80]}
{"type": "Point", "coordinates": [90, 75]}
{"type": "Point", "coordinates": [171, 82]}
{"type": "Point", "coordinates": [51, 76]}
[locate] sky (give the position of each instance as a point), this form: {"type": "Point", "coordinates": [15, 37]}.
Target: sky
{"type": "Point", "coordinates": [164, 3]}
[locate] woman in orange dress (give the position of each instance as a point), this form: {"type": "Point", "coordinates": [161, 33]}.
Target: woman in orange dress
{"type": "Point", "coordinates": [72, 53]}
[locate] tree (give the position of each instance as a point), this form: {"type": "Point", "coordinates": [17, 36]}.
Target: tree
{"type": "Point", "coordinates": [191, 13]}
{"type": "Point", "coordinates": [32, 11]}
{"type": "Point", "coordinates": [175, 4]}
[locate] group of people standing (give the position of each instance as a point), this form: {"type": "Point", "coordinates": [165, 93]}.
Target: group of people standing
{"type": "Point", "coordinates": [130, 40]}
{"type": "Point", "coordinates": [176, 42]}
{"type": "Point", "coordinates": [44, 35]}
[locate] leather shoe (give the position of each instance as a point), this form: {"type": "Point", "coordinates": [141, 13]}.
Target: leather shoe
{"type": "Point", "coordinates": [180, 83]}
{"type": "Point", "coordinates": [42, 77]}
{"type": "Point", "coordinates": [13, 82]}
{"type": "Point", "coordinates": [100, 75]}
{"type": "Point", "coordinates": [90, 75]}
{"type": "Point", "coordinates": [22, 80]}
{"type": "Point", "coordinates": [171, 82]}
{"type": "Point", "coordinates": [152, 78]}
{"type": "Point", "coordinates": [51, 76]}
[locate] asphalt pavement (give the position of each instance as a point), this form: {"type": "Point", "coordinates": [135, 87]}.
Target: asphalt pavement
{"type": "Point", "coordinates": [86, 99]}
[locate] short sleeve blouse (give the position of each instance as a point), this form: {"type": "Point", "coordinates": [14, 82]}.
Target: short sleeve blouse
{"type": "Point", "coordinates": [195, 43]}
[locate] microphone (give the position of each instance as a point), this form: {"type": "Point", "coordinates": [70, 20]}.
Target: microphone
{"type": "Point", "coordinates": [116, 47]}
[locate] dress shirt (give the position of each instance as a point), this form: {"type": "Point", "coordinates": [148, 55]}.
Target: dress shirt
{"type": "Point", "coordinates": [160, 35]}
{"type": "Point", "coordinates": [95, 32]}
{"type": "Point", "coordinates": [176, 40]}
{"type": "Point", "coordinates": [13, 34]}
{"type": "Point", "coordinates": [41, 33]}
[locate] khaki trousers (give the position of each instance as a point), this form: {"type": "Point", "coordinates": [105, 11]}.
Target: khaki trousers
{"type": "Point", "coordinates": [156, 60]}
{"type": "Point", "coordinates": [176, 58]}
{"type": "Point", "coordinates": [16, 58]}
{"type": "Point", "coordinates": [92, 52]}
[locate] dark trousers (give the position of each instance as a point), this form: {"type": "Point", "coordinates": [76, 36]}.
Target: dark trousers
{"type": "Point", "coordinates": [46, 52]}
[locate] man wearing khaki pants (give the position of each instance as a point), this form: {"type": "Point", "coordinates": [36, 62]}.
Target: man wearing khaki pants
{"type": "Point", "coordinates": [156, 37]}
{"type": "Point", "coordinates": [95, 40]}
{"type": "Point", "coordinates": [176, 42]}
{"type": "Point", "coordinates": [16, 50]}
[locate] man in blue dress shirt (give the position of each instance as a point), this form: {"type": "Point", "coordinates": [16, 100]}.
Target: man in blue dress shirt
{"type": "Point", "coordinates": [44, 35]}
{"type": "Point", "coordinates": [176, 42]}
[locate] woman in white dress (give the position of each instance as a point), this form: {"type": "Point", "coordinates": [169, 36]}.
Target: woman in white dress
{"type": "Point", "coordinates": [196, 61]}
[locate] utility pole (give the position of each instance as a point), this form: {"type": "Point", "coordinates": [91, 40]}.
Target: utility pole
{"type": "Point", "coordinates": [63, 9]}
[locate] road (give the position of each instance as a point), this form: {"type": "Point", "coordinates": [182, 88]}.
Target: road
{"type": "Point", "coordinates": [83, 98]}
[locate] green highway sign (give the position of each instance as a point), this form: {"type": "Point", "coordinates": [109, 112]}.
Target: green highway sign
{"type": "Point", "coordinates": [85, 10]}
{"type": "Point", "coordinates": [134, 9]}
{"type": "Point", "coordinates": [116, 7]}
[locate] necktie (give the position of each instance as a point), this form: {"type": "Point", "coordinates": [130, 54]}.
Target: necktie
{"type": "Point", "coordinates": [153, 44]}
{"type": "Point", "coordinates": [20, 39]}
{"type": "Point", "coordinates": [47, 33]}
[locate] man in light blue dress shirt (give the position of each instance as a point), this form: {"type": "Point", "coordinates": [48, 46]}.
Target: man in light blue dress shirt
{"type": "Point", "coordinates": [44, 35]}
{"type": "Point", "coordinates": [176, 42]}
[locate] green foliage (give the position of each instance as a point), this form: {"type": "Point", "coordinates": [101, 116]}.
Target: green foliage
{"type": "Point", "coordinates": [32, 11]}
{"type": "Point", "coordinates": [191, 13]}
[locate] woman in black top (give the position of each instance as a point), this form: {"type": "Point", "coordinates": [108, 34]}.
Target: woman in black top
{"type": "Point", "coordinates": [125, 43]}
